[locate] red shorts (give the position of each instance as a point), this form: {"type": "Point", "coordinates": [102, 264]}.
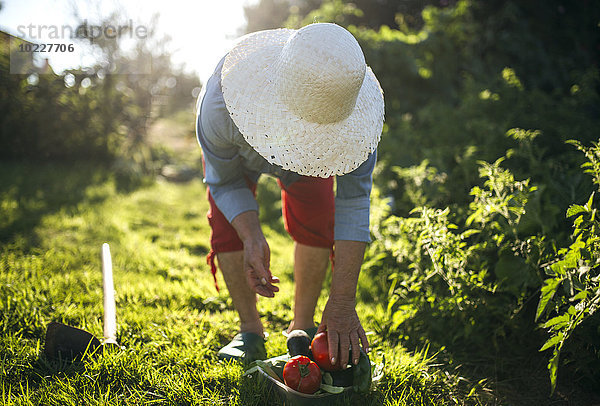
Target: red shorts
{"type": "Point", "coordinates": [308, 213]}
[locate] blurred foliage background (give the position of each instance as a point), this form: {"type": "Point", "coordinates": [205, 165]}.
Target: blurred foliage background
{"type": "Point", "coordinates": [99, 113]}
{"type": "Point", "coordinates": [475, 175]}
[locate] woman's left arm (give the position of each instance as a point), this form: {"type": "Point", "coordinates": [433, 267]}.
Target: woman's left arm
{"type": "Point", "coordinates": [339, 316]}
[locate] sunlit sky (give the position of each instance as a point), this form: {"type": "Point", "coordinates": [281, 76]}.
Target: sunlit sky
{"type": "Point", "coordinates": [201, 30]}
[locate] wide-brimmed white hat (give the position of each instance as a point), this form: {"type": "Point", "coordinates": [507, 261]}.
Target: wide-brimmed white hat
{"type": "Point", "coordinates": [304, 99]}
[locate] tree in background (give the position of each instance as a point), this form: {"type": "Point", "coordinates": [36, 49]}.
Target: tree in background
{"type": "Point", "coordinates": [268, 14]}
{"type": "Point", "coordinates": [99, 112]}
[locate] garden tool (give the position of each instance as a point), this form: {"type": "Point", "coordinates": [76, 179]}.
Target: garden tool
{"type": "Point", "coordinates": [67, 342]}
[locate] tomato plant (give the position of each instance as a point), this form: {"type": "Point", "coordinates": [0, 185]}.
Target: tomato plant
{"type": "Point", "coordinates": [320, 351]}
{"type": "Point", "coordinates": [301, 374]}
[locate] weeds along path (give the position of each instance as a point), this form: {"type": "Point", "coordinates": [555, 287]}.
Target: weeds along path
{"type": "Point", "coordinates": [171, 320]}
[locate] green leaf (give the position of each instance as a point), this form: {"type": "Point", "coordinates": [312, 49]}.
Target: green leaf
{"type": "Point", "coordinates": [575, 209]}
{"type": "Point", "coordinates": [553, 368]}
{"type": "Point", "coordinates": [558, 320]}
{"type": "Point", "coordinates": [548, 291]}
{"type": "Point", "coordinates": [472, 218]}
{"type": "Point", "coordinates": [590, 202]}
{"type": "Point", "coordinates": [580, 296]}
{"type": "Point", "coordinates": [577, 223]}
{"type": "Point", "coordinates": [264, 366]}
{"type": "Point", "coordinates": [470, 232]}
{"type": "Point", "coordinates": [558, 268]}
{"type": "Point", "coordinates": [553, 341]}
{"type": "Point", "coordinates": [331, 389]}
{"type": "Point", "coordinates": [392, 301]}
{"type": "Point", "coordinates": [250, 371]}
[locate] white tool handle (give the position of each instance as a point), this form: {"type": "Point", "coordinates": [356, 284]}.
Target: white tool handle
{"type": "Point", "coordinates": [110, 311]}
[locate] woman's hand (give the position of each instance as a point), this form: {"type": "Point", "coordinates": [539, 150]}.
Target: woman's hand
{"type": "Point", "coordinates": [256, 266]}
{"type": "Point", "coordinates": [257, 256]}
{"type": "Point", "coordinates": [343, 329]}
{"type": "Point", "coordinates": [339, 316]}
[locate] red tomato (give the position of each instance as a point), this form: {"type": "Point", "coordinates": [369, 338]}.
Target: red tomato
{"type": "Point", "coordinates": [301, 374]}
{"type": "Point", "coordinates": [320, 352]}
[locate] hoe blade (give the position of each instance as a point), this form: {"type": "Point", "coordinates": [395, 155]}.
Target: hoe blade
{"type": "Point", "coordinates": [68, 342]}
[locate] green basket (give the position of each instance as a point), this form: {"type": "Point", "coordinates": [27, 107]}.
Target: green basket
{"type": "Point", "coordinates": [291, 397]}
{"type": "Point", "coordinates": [269, 374]}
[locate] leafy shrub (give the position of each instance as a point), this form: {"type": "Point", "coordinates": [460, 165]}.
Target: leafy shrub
{"type": "Point", "coordinates": [571, 292]}
{"type": "Point", "coordinates": [465, 279]}
{"type": "Point", "coordinates": [473, 274]}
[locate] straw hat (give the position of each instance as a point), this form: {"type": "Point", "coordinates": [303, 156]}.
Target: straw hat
{"type": "Point", "coordinates": [304, 99]}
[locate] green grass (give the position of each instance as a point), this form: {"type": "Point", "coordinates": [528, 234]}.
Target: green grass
{"type": "Point", "coordinates": [171, 320]}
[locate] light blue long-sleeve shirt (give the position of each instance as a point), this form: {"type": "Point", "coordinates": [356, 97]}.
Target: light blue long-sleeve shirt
{"type": "Point", "coordinates": [228, 158]}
